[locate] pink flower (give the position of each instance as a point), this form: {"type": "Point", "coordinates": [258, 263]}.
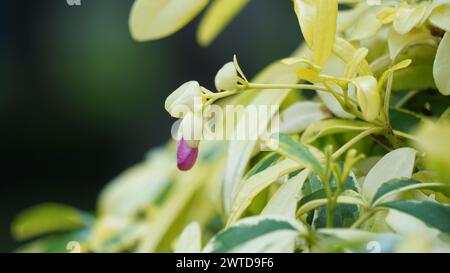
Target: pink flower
{"type": "Point", "coordinates": [186, 156]}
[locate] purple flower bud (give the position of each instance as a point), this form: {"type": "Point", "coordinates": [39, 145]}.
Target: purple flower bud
{"type": "Point", "coordinates": [186, 156]}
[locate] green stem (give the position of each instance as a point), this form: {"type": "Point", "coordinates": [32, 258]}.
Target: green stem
{"type": "Point", "coordinates": [325, 177]}
{"type": "Point", "coordinates": [330, 214]}
{"type": "Point", "coordinates": [215, 96]}
{"type": "Point", "coordinates": [284, 86]}
{"type": "Point", "coordinates": [405, 135]}
{"type": "Point", "coordinates": [354, 140]}
{"type": "Point", "coordinates": [387, 100]}
{"type": "Point", "coordinates": [406, 98]}
{"type": "Point", "coordinates": [364, 217]}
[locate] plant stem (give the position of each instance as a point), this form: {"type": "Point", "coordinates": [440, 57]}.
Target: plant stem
{"type": "Point", "coordinates": [405, 135]}
{"type": "Point", "coordinates": [354, 140]}
{"type": "Point", "coordinates": [219, 95]}
{"type": "Point", "coordinates": [406, 98]}
{"type": "Point", "coordinates": [284, 86]}
{"type": "Point", "coordinates": [325, 177]}
{"type": "Point", "coordinates": [364, 217]}
{"type": "Point", "coordinates": [387, 100]}
{"type": "Point", "coordinates": [330, 214]}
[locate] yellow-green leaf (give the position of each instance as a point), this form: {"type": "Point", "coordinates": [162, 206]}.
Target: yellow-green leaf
{"type": "Point", "coordinates": [433, 6]}
{"type": "Point", "coordinates": [391, 70]}
{"type": "Point", "coordinates": [396, 164]}
{"type": "Point", "coordinates": [306, 12]}
{"type": "Point", "coordinates": [218, 15]}
{"type": "Point", "coordinates": [190, 240]}
{"type": "Point", "coordinates": [317, 19]}
{"type": "Point", "coordinates": [368, 96]}
{"type": "Point", "coordinates": [332, 126]}
{"type": "Point", "coordinates": [440, 17]}
{"type": "Point", "coordinates": [345, 51]}
{"type": "Point", "coordinates": [257, 183]}
{"type": "Point", "coordinates": [352, 66]}
{"type": "Point", "coordinates": [407, 18]}
{"type": "Point", "coordinates": [258, 234]}
{"type": "Point", "coordinates": [365, 27]}
{"type": "Point", "coordinates": [241, 151]}
{"type": "Point", "coordinates": [324, 30]}
{"type": "Point", "coordinates": [297, 117]}
{"type": "Point", "coordinates": [155, 19]}
{"type": "Point", "coordinates": [433, 140]}
{"type": "Point", "coordinates": [398, 43]}
{"type": "Point", "coordinates": [441, 67]}
{"type": "Point", "coordinates": [138, 186]}
{"type": "Point", "coordinates": [47, 218]}
{"type": "Point", "coordinates": [290, 148]}
{"type": "Point", "coordinates": [284, 201]}
{"type": "Point", "coordinates": [346, 18]}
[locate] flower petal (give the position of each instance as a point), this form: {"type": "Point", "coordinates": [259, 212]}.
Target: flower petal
{"type": "Point", "coordinates": [226, 78]}
{"type": "Point", "coordinates": [186, 156]}
{"type": "Point", "coordinates": [182, 100]}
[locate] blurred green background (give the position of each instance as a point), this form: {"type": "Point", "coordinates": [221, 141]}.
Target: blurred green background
{"type": "Point", "coordinates": [80, 101]}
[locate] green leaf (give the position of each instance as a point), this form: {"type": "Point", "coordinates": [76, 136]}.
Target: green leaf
{"type": "Point", "coordinates": [306, 12]}
{"type": "Point", "coordinates": [433, 140]}
{"type": "Point", "coordinates": [353, 240]}
{"type": "Point", "coordinates": [48, 218]}
{"type": "Point", "coordinates": [256, 234]}
{"type": "Point", "coordinates": [155, 19]}
{"type": "Point", "coordinates": [240, 151]}
{"type": "Point", "coordinates": [319, 194]}
{"type": "Point", "coordinates": [332, 126]}
{"type": "Point", "coordinates": [137, 187]}
{"type": "Point", "coordinates": [345, 214]}
{"type": "Point", "coordinates": [439, 17]}
{"type": "Point", "coordinates": [419, 75]}
{"type": "Point", "coordinates": [345, 51]}
{"type": "Point", "coordinates": [290, 148]}
{"type": "Point", "coordinates": [396, 186]}
{"type": "Point", "coordinates": [299, 115]}
{"type": "Point", "coordinates": [251, 187]}
{"type": "Point", "coordinates": [431, 213]}
{"type": "Point", "coordinates": [190, 239]}
{"type": "Point", "coordinates": [392, 185]}
{"type": "Point", "coordinates": [312, 184]}
{"type": "Point", "coordinates": [366, 26]}
{"type": "Point", "coordinates": [218, 15]}
{"type": "Point", "coordinates": [347, 197]}
{"type": "Point", "coordinates": [74, 242]}
{"type": "Point", "coordinates": [445, 116]}
{"type": "Point", "coordinates": [324, 31]}
{"type": "Point", "coordinates": [263, 164]}
{"type": "Point", "coordinates": [441, 65]}
{"type": "Point", "coordinates": [398, 43]}
{"type": "Point", "coordinates": [313, 187]}
{"type": "Point", "coordinates": [407, 18]}
{"type": "Point", "coordinates": [396, 164]}
{"type": "Point", "coordinates": [284, 201]}
{"type": "Point", "coordinates": [352, 66]}
{"type": "Point", "coordinates": [404, 120]}
{"type": "Point", "coordinates": [115, 236]}
{"type": "Point", "coordinates": [181, 207]}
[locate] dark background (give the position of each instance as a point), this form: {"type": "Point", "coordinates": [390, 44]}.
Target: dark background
{"type": "Point", "coordinates": [80, 101]}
